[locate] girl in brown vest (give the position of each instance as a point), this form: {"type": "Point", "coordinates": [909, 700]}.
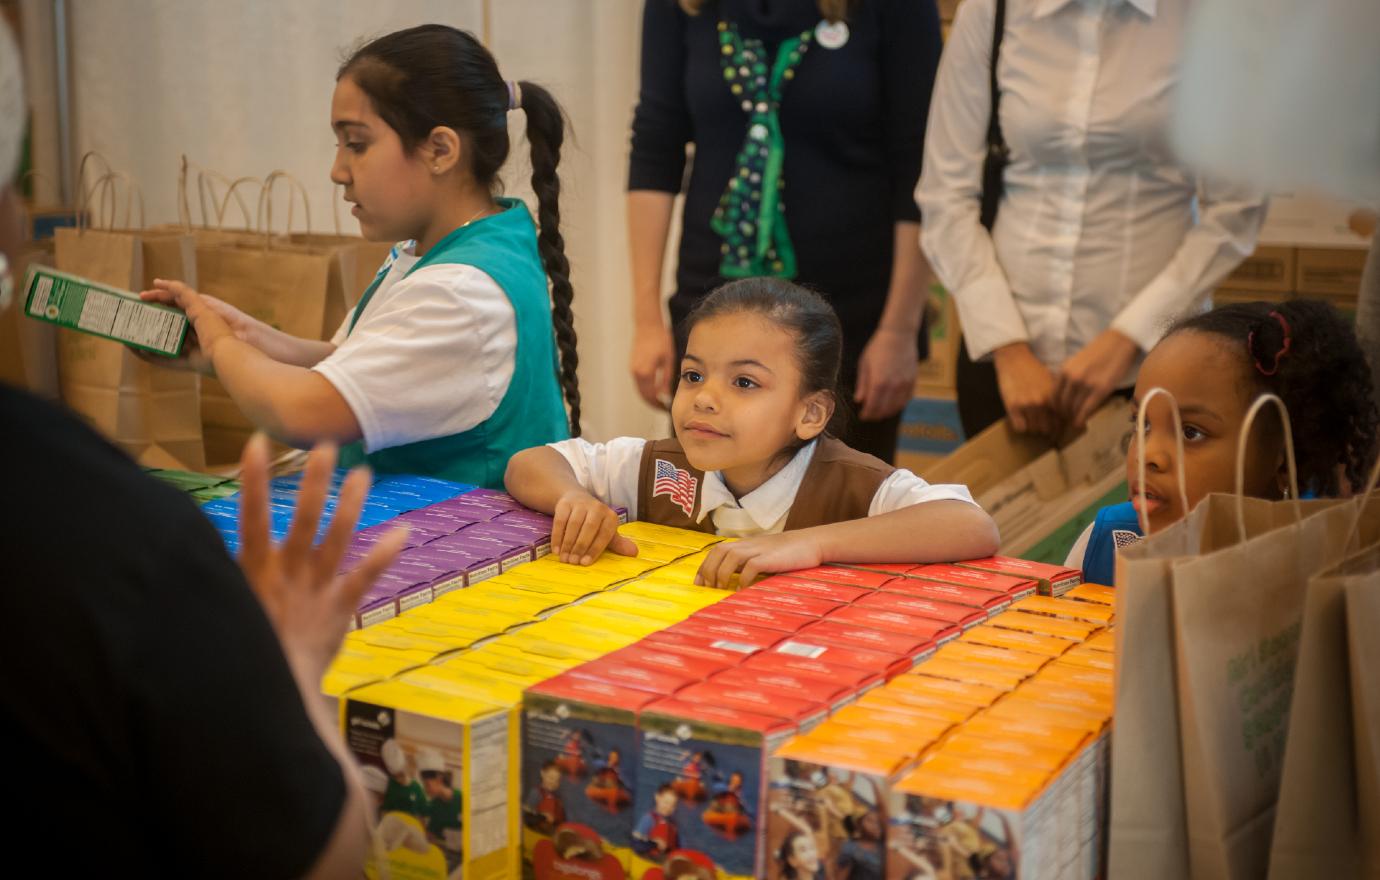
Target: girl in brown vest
{"type": "Point", "coordinates": [752, 458]}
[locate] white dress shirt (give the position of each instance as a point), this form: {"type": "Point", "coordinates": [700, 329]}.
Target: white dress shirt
{"type": "Point", "coordinates": [610, 472]}
{"type": "Point", "coordinates": [432, 355]}
{"type": "Point", "coordinates": [1098, 226]}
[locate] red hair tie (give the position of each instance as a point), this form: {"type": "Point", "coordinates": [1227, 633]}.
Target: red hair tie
{"type": "Point", "coordinates": [1283, 349]}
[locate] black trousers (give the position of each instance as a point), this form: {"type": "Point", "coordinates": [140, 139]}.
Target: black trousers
{"type": "Point", "coordinates": [979, 397]}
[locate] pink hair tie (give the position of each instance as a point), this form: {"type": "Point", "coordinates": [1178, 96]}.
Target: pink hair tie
{"type": "Point", "coordinates": [1283, 349]}
{"type": "Point", "coordinates": [514, 94]}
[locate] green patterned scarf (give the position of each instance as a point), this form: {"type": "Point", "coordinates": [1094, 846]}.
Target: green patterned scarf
{"type": "Point", "coordinates": [751, 218]}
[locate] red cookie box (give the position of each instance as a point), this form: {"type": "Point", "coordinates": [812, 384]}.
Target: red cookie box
{"type": "Point", "coordinates": [694, 663]}
{"type": "Point", "coordinates": [766, 618]}
{"type": "Point", "coordinates": [951, 613]}
{"type": "Point", "coordinates": [893, 569]}
{"type": "Point", "coordinates": [1014, 587]}
{"type": "Point", "coordinates": [874, 662]}
{"type": "Point", "coordinates": [802, 711]}
{"type": "Point", "coordinates": [661, 682]}
{"type": "Point", "coordinates": [850, 577]}
{"type": "Point", "coordinates": [987, 601]}
{"type": "Point", "coordinates": [742, 637]}
{"type": "Point", "coordinates": [831, 694]}
{"type": "Point", "coordinates": [1053, 580]}
{"type": "Point", "coordinates": [804, 587]}
{"type": "Point", "coordinates": [809, 606]}
{"type": "Point", "coordinates": [920, 628]}
{"type": "Point", "coordinates": [694, 647]}
{"type": "Point", "coordinates": [847, 634]}
{"type": "Point", "coordinates": [854, 679]}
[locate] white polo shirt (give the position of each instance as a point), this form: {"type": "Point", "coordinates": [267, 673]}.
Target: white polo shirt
{"type": "Point", "coordinates": [432, 355]}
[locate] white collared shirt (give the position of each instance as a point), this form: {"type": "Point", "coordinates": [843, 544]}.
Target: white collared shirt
{"type": "Point", "coordinates": [1098, 226]}
{"type": "Point", "coordinates": [610, 472]}
{"type": "Point", "coordinates": [433, 354]}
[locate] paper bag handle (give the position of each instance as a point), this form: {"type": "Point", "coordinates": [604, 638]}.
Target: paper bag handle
{"type": "Point", "coordinates": [1178, 450]}
{"type": "Point", "coordinates": [106, 185]}
{"type": "Point", "coordinates": [265, 211]}
{"type": "Point", "coordinates": [1355, 531]}
{"type": "Point", "coordinates": [232, 189]}
{"type": "Point", "coordinates": [1241, 441]}
{"type": "Point", "coordinates": [83, 193]}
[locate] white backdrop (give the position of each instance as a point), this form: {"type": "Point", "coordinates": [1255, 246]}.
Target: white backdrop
{"type": "Point", "coordinates": [244, 87]}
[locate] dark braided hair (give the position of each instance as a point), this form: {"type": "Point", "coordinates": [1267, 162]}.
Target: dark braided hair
{"type": "Point", "coordinates": [798, 310]}
{"type": "Point", "coordinates": [1305, 352]}
{"type": "Point", "coordinates": [435, 75]}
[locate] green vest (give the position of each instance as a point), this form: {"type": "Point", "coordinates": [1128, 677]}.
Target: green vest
{"type": "Point", "coordinates": [503, 246]}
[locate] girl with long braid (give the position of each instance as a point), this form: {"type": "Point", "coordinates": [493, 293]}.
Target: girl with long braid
{"type": "Point", "coordinates": [449, 363]}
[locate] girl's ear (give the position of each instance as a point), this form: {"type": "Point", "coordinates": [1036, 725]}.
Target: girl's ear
{"type": "Point", "coordinates": [440, 151]}
{"type": "Point", "coordinates": [818, 410]}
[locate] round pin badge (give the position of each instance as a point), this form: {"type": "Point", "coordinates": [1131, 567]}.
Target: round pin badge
{"type": "Point", "coordinates": [831, 36]}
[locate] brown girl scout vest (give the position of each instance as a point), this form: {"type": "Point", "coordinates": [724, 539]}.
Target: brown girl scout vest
{"type": "Point", "coordinates": [838, 486]}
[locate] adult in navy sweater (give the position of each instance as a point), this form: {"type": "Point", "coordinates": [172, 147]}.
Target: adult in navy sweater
{"type": "Point", "coordinates": [808, 125]}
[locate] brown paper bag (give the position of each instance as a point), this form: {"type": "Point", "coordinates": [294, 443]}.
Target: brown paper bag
{"type": "Point", "coordinates": [28, 349]}
{"type": "Point", "coordinates": [296, 289]}
{"type": "Point", "coordinates": [1317, 830]}
{"type": "Point", "coordinates": [1148, 834]}
{"type": "Point", "coordinates": [1237, 619]}
{"type": "Point", "coordinates": [151, 413]}
{"type": "Point", "coordinates": [1363, 644]}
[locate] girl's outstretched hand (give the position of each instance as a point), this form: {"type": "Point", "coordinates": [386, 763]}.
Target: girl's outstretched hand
{"type": "Point", "coordinates": [751, 557]}
{"type": "Point", "coordinates": [211, 320]}
{"type": "Point", "coordinates": [585, 527]}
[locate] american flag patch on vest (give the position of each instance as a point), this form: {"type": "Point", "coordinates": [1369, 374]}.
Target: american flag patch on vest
{"type": "Point", "coordinates": [675, 484]}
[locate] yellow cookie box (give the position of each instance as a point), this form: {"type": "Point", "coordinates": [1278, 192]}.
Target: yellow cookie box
{"type": "Point", "coordinates": [468, 750]}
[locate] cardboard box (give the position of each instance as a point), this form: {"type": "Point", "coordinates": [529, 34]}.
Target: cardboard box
{"type": "Point", "coordinates": [845, 634]}
{"type": "Point", "coordinates": [1016, 640]}
{"type": "Point", "coordinates": [807, 588]}
{"type": "Point", "coordinates": [865, 660]}
{"type": "Point", "coordinates": [1330, 271]}
{"type": "Point", "coordinates": [767, 618]}
{"type": "Point", "coordinates": [802, 708]}
{"type": "Point", "coordinates": [849, 577]}
{"type": "Point", "coordinates": [793, 603]}
{"type": "Point", "coordinates": [1014, 587]}
{"type": "Point", "coordinates": [1066, 609]}
{"type": "Point", "coordinates": [451, 763]}
{"type": "Point", "coordinates": [658, 682]}
{"type": "Point", "coordinates": [918, 704]}
{"type": "Point", "coordinates": [727, 634]}
{"type": "Point", "coordinates": [701, 788]}
{"type": "Point", "coordinates": [827, 806]}
{"type": "Point", "coordinates": [1023, 661]}
{"type": "Point", "coordinates": [1270, 268]}
{"type": "Point", "coordinates": [889, 621]}
{"type": "Point", "coordinates": [831, 694]}
{"type": "Point", "coordinates": [857, 681]}
{"type": "Point", "coordinates": [965, 693]}
{"type": "Point", "coordinates": [86, 306]}
{"type": "Point", "coordinates": [690, 663]}
{"type": "Point", "coordinates": [985, 601]}
{"type": "Point", "coordinates": [699, 647]}
{"type": "Point", "coordinates": [977, 672]}
{"type": "Point", "coordinates": [579, 777]}
{"type": "Point", "coordinates": [1054, 580]}
{"type": "Point", "coordinates": [1022, 621]}
{"type": "Point", "coordinates": [952, 614]}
